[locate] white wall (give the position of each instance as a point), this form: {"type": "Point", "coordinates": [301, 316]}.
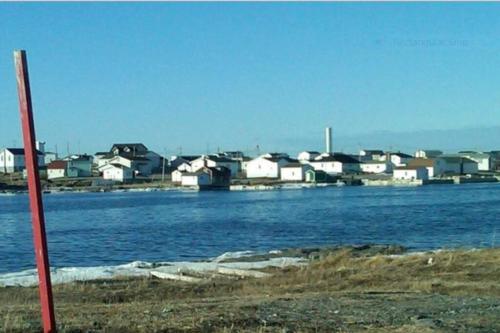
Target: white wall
{"type": "Point", "coordinates": [117, 174]}
{"type": "Point", "coordinates": [12, 163]}
{"type": "Point", "coordinates": [331, 167]}
{"type": "Point", "coordinates": [193, 180]}
{"type": "Point", "coordinates": [262, 168]}
{"type": "Point", "coordinates": [55, 173]}
{"type": "Point", "coordinates": [306, 156]}
{"type": "Point", "coordinates": [413, 174]}
{"type": "Point", "coordinates": [200, 163]}
{"type": "Point", "coordinates": [293, 174]}
{"type": "Point", "coordinates": [375, 167]}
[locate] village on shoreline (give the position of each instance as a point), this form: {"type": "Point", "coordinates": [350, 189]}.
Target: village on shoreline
{"type": "Point", "coordinates": [134, 166]}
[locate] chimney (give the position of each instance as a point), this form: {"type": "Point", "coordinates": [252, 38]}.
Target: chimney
{"type": "Point", "coordinates": [328, 139]}
{"type": "Point", "coordinates": [40, 146]}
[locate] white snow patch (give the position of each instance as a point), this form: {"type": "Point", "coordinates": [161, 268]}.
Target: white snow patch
{"type": "Point", "coordinates": [141, 268]}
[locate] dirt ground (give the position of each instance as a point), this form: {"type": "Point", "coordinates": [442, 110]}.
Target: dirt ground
{"type": "Point", "coordinates": [360, 289]}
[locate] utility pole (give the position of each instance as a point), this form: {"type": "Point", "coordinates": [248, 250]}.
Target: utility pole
{"type": "Point", "coordinates": [163, 168]}
{"type": "Point", "coordinates": [35, 193]}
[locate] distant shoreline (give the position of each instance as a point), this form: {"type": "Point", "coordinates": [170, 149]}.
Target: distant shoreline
{"type": "Point", "coordinates": [146, 187]}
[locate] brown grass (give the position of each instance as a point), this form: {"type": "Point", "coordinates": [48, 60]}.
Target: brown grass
{"type": "Point", "coordinates": [293, 299]}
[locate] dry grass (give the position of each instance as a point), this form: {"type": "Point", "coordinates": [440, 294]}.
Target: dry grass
{"type": "Point", "coordinates": [376, 293]}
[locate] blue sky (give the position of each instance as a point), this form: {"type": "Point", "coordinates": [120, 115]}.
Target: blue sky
{"type": "Point", "coordinates": [233, 75]}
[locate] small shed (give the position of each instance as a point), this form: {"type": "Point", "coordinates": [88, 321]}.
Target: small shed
{"type": "Point", "coordinates": [318, 176]}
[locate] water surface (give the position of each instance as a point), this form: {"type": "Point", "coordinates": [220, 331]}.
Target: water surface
{"type": "Point", "coordinates": [92, 229]}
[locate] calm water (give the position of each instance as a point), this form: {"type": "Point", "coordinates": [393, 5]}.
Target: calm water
{"type": "Point", "coordinates": [91, 229]}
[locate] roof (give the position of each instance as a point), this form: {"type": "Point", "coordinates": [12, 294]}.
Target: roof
{"type": "Point", "coordinates": [310, 152]}
{"type": "Point", "coordinates": [101, 153]}
{"type": "Point", "coordinates": [197, 173]}
{"type": "Point", "coordinates": [373, 151]}
{"type": "Point", "coordinates": [431, 151]}
{"type": "Point", "coordinates": [20, 151]}
{"type": "Point", "coordinates": [57, 164]}
{"type": "Point", "coordinates": [219, 159]}
{"type": "Point", "coordinates": [474, 154]}
{"type": "Point", "coordinates": [114, 165]}
{"type": "Point", "coordinates": [277, 159]}
{"type": "Point", "coordinates": [137, 146]}
{"type": "Point", "coordinates": [293, 165]}
{"type": "Point", "coordinates": [130, 157]}
{"type": "Point", "coordinates": [421, 162]}
{"type": "Point", "coordinates": [402, 155]}
{"type": "Point", "coordinates": [409, 167]}
{"type": "Point", "coordinates": [337, 157]}
{"type": "Point", "coordinates": [374, 162]}
{"type": "Point", "coordinates": [456, 159]}
{"type": "Point", "coordinates": [186, 157]}
{"type": "Point", "coordinates": [80, 157]}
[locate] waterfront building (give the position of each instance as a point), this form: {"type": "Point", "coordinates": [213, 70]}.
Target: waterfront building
{"type": "Point", "coordinates": [336, 163]}
{"type": "Point", "coordinates": [484, 160]}
{"type": "Point", "coordinates": [375, 166]}
{"type": "Point", "coordinates": [12, 160]}
{"type": "Point", "coordinates": [397, 159]}
{"type": "Point", "coordinates": [306, 156]}
{"type": "Point", "coordinates": [81, 164]}
{"type": "Point", "coordinates": [434, 166]}
{"type": "Point", "coordinates": [177, 160]}
{"type": "Point", "coordinates": [370, 155]}
{"type": "Point", "coordinates": [318, 176]}
{"type": "Point", "coordinates": [267, 165]}
{"type": "Point", "coordinates": [145, 160]}
{"type": "Point", "coordinates": [451, 164]}
{"type": "Point", "coordinates": [207, 177]}
{"type": "Point", "coordinates": [215, 161]}
{"type": "Point", "coordinates": [117, 172]}
{"type": "Point", "coordinates": [72, 166]}
{"type": "Point", "coordinates": [410, 173]}
{"type": "Point", "coordinates": [294, 171]}
{"type": "Point", "coordinates": [176, 176]}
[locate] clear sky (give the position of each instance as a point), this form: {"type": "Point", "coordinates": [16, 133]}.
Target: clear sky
{"type": "Point", "coordinates": [233, 75]}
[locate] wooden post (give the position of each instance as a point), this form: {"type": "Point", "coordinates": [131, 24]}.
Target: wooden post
{"type": "Point", "coordinates": [35, 194]}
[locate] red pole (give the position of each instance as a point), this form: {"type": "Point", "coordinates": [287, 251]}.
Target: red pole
{"type": "Point", "coordinates": [36, 205]}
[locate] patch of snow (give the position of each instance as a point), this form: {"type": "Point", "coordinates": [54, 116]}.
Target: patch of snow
{"type": "Point", "coordinates": [141, 268]}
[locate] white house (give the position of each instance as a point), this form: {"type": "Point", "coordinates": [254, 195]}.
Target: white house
{"type": "Point", "coordinates": [177, 176]}
{"type": "Point", "coordinates": [307, 156]}
{"type": "Point", "coordinates": [398, 159]}
{"type": "Point", "coordinates": [213, 161]}
{"type": "Point", "coordinates": [370, 155]}
{"type": "Point", "coordinates": [375, 166]}
{"type": "Point", "coordinates": [410, 173]}
{"type": "Point", "coordinates": [56, 169]}
{"type": "Point", "coordinates": [336, 163]}
{"type": "Point", "coordinates": [117, 172]}
{"type": "Point", "coordinates": [266, 167]}
{"type": "Point", "coordinates": [177, 160]}
{"type": "Point", "coordinates": [434, 166]}
{"type": "Point", "coordinates": [141, 159]}
{"type": "Point", "coordinates": [294, 171]}
{"type": "Point", "coordinates": [422, 153]}
{"type": "Point", "coordinates": [185, 167]}
{"type": "Point", "coordinates": [139, 165]}
{"type": "Point", "coordinates": [61, 169]}
{"type": "Point", "coordinates": [12, 160]}
{"type": "Point", "coordinates": [198, 178]}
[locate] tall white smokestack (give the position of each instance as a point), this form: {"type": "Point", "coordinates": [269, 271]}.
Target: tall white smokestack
{"type": "Point", "coordinates": [328, 139]}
